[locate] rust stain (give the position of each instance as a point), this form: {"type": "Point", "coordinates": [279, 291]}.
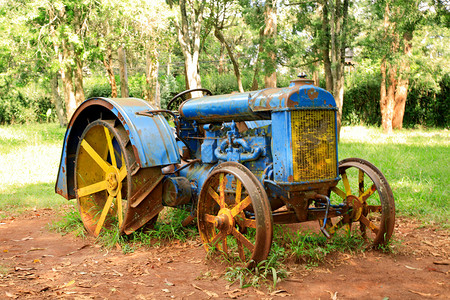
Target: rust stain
{"type": "Point", "coordinates": [291, 178]}
{"type": "Point", "coordinates": [312, 93]}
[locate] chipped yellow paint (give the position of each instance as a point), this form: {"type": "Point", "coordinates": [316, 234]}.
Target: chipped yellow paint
{"type": "Point", "coordinates": [92, 189]}
{"type": "Point", "coordinates": [95, 156]}
{"type": "Point", "coordinates": [105, 210]}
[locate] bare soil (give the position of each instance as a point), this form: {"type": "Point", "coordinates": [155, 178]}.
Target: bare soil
{"type": "Point", "coordinates": [36, 263]}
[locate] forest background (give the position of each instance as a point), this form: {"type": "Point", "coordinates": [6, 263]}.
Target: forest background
{"type": "Point", "coordinates": [385, 61]}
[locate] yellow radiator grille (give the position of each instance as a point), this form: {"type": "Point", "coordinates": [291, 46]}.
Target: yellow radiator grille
{"type": "Point", "coordinates": [313, 145]}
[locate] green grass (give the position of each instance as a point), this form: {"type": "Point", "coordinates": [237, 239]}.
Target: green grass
{"type": "Point", "coordinates": [415, 163]}
{"type": "Point", "coordinates": [29, 160]}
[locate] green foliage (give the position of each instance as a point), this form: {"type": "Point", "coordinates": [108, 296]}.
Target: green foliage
{"type": "Point", "coordinates": [97, 86]}
{"type": "Point", "coordinates": [268, 272]}
{"type": "Point", "coordinates": [426, 105]}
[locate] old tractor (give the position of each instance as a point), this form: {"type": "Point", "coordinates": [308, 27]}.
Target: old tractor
{"type": "Point", "coordinates": [239, 163]}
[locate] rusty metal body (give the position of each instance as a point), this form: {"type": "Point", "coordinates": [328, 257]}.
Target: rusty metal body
{"type": "Point", "coordinates": [238, 162]}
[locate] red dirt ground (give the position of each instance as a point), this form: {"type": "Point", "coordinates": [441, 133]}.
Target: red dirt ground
{"type": "Point", "coordinates": [36, 263]}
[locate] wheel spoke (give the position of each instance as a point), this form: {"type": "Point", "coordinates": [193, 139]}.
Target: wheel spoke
{"type": "Point", "coordinates": [238, 191]}
{"type": "Point", "coordinates": [122, 173]}
{"type": "Point", "coordinates": [241, 206]}
{"type": "Point", "coordinates": [110, 146]}
{"type": "Point", "coordinates": [369, 224]}
{"type": "Point", "coordinates": [373, 208]}
{"type": "Point", "coordinates": [217, 237]}
{"type": "Point", "coordinates": [339, 192]}
{"type": "Point", "coordinates": [249, 223]}
{"type": "Point", "coordinates": [209, 218]}
{"type": "Point", "coordinates": [224, 245]}
{"type": "Point", "coordinates": [214, 195]}
{"type": "Point", "coordinates": [119, 207]}
{"type": "Point", "coordinates": [222, 183]}
{"type": "Point", "coordinates": [348, 190]}
{"type": "Point", "coordinates": [101, 221]}
{"type": "Point", "coordinates": [95, 156]}
{"type": "Point", "coordinates": [240, 250]}
{"type": "Point", "coordinates": [367, 193]}
{"type": "Point", "coordinates": [92, 189]}
{"type": "Point", "coordinates": [361, 182]}
{"type": "Point", "coordinates": [239, 236]}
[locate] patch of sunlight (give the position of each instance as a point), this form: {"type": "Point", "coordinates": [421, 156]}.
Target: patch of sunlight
{"type": "Point", "coordinates": [30, 165]}
{"type": "Point", "coordinates": [407, 183]}
{"type": "Point", "coordinates": [373, 135]}
{"type": "Point", "coordinates": [9, 133]}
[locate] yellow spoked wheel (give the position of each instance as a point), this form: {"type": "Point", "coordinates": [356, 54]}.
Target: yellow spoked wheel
{"type": "Point", "coordinates": [101, 177]}
{"type": "Point", "coordinates": [369, 200]}
{"type": "Point", "coordinates": [234, 214]}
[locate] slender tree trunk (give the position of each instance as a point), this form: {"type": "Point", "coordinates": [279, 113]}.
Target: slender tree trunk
{"type": "Point", "coordinates": [401, 92]}
{"type": "Point", "coordinates": [54, 86]}
{"type": "Point", "coordinates": [123, 72]}
{"type": "Point", "coordinates": [57, 101]}
{"type": "Point", "coordinates": [189, 39]}
{"type": "Point", "coordinates": [78, 80]}
{"type": "Point", "coordinates": [235, 63]}
{"type": "Point", "coordinates": [67, 78]}
{"type": "Point", "coordinates": [222, 60]}
{"type": "Point", "coordinates": [108, 63]}
{"type": "Point", "coordinates": [270, 32]}
{"type": "Point", "coordinates": [258, 61]}
{"type": "Point", "coordinates": [325, 41]}
{"type": "Point", "coordinates": [151, 75]}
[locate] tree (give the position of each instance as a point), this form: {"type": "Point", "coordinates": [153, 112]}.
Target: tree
{"type": "Point", "coordinates": [224, 16]}
{"type": "Point", "coordinates": [188, 31]}
{"type": "Point", "coordinates": [400, 19]}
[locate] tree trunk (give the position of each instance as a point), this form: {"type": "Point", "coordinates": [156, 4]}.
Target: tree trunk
{"type": "Point", "coordinates": [123, 72]}
{"type": "Point", "coordinates": [237, 73]}
{"type": "Point", "coordinates": [108, 63]}
{"type": "Point", "coordinates": [78, 80]}
{"type": "Point", "coordinates": [325, 41]}
{"type": "Point", "coordinates": [222, 60]}
{"type": "Point", "coordinates": [66, 76]}
{"type": "Point", "coordinates": [57, 101]}
{"type": "Point", "coordinates": [387, 94]}
{"type": "Point", "coordinates": [151, 76]}
{"type": "Point", "coordinates": [401, 92]}
{"type": "Point", "coordinates": [189, 39]}
{"type": "Point", "coordinates": [270, 32]}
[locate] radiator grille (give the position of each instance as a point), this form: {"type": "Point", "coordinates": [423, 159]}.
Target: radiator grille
{"type": "Point", "coordinates": [313, 145]}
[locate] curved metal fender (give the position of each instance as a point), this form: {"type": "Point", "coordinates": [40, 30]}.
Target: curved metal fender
{"type": "Point", "coordinates": [151, 137]}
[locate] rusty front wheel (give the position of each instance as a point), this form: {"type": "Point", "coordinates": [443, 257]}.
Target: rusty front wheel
{"type": "Point", "coordinates": [369, 198]}
{"type": "Point", "coordinates": [234, 214]}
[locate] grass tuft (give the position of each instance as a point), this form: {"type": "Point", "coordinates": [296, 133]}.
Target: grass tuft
{"type": "Point", "coordinates": [70, 222]}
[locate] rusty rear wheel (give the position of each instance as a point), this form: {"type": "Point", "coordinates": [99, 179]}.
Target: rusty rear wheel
{"type": "Point", "coordinates": [234, 214]}
{"type": "Point", "coordinates": [370, 200]}
{"type": "Point", "coordinates": [108, 181]}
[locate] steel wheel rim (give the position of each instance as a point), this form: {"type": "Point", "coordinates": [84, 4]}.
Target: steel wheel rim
{"type": "Point", "coordinates": [237, 222]}
{"type": "Point", "coordinates": [367, 192]}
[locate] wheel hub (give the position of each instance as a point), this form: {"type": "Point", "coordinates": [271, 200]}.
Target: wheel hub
{"type": "Point", "coordinates": [112, 180]}
{"type": "Point", "coordinates": [224, 220]}
{"type": "Point", "coordinates": [356, 207]}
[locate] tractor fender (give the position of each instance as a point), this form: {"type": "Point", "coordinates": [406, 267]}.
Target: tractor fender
{"type": "Point", "coordinates": [152, 138]}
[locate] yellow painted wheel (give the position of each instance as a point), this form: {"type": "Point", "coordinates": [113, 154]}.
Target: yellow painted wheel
{"type": "Point", "coordinates": [234, 214]}
{"type": "Point", "coordinates": [101, 177]}
{"type": "Point", "coordinates": [112, 191]}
